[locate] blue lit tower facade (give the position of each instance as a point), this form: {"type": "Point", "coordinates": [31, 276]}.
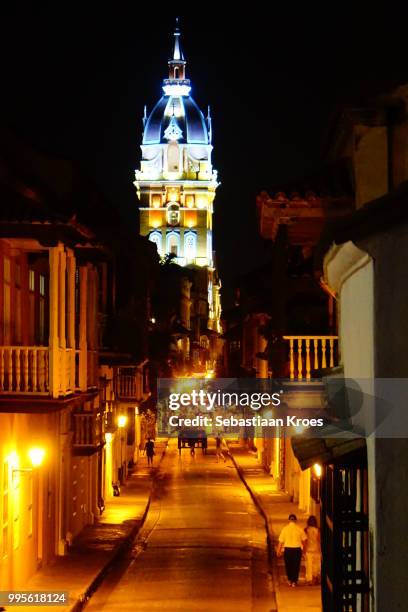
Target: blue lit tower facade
{"type": "Point", "coordinates": [176, 182]}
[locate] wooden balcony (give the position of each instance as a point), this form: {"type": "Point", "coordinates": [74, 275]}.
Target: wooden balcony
{"type": "Point", "coordinates": [310, 354]}
{"type": "Point", "coordinates": [129, 384]}
{"type": "Point", "coordinates": [26, 369]}
{"type": "Point", "coordinates": [88, 432]}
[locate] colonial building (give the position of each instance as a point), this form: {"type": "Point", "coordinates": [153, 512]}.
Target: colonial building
{"type": "Point", "coordinates": [363, 492]}
{"type": "Point", "coordinates": [66, 373]}
{"type": "Point", "coordinates": [176, 183]}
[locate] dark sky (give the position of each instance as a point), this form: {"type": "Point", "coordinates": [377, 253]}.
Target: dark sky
{"type": "Point", "coordinates": [75, 79]}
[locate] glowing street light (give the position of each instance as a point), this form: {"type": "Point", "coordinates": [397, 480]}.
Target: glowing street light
{"type": "Point", "coordinates": [122, 420]}
{"type": "Point", "coordinates": [36, 456]}
{"type": "Point", "coordinates": [317, 468]}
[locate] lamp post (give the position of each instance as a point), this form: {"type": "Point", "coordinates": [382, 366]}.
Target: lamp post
{"type": "Point", "coordinates": [122, 421]}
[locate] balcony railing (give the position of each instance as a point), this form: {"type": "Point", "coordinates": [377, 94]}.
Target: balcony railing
{"type": "Point", "coordinates": [308, 354]}
{"type": "Point", "coordinates": [37, 370]}
{"type": "Point", "coordinates": [88, 430]}
{"type": "Point", "coordinates": [24, 369]}
{"type": "Point", "coordinates": [129, 384]}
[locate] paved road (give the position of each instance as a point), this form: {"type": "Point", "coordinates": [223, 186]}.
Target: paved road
{"type": "Point", "coordinates": [203, 546]}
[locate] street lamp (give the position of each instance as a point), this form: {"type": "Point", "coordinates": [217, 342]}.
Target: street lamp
{"type": "Point", "coordinates": [122, 421]}
{"type": "Point", "coordinates": [317, 468]}
{"type": "Point", "coordinates": [36, 455]}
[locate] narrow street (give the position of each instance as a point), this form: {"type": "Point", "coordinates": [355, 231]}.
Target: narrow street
{"type": "Point", "coordinates": [203, 546]}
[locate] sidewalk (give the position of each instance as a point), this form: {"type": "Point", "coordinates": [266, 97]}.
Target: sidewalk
{"type": "Point", "coordinates": [276, 506]}
{"type": "Point", "coordinates": [98, 546]}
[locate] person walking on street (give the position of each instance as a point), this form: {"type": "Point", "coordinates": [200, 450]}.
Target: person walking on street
{"type": "Point", "coordinates": [291, 541]}
{"type": "Point", "coordinates": [218, 448]}
{"type": "Point", "coordinates": [149, 448]}
{"type": "Point", "coordinates": [312, 551]}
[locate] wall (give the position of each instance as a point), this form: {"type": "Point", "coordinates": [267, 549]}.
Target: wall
{"type": "Point", "coordinates": [350, 272]}
{"type": "Point", "coordinates": [391, 361]}
{"type": "Point", "coordinates": [370, 161]}
{"type": "Point", "coordinates": [28, 537]}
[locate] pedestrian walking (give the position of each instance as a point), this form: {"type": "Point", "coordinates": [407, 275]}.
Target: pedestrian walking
{"type": "Point", "coordinates": [191, 444]}
{"type": "Point", "coordinates": [149, 448]}
{"type": "Point", "coordinates": [312, 550]}
{"type": "Point", "coordinates": [204, 445]}
{"type": "Point", "coordinates": [291, 541]}
{"type": "Point", "coordinates": [218, 448]}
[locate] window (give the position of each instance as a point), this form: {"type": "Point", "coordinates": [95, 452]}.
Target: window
{"type": "Point", "coordinates": [156, 238]}
{"type": "Point", "coordinates": [31, 280]}
{"type": "Point", "coordinates": [18, 305]}
{"type": "Point", "coordinates": [41, 309]}
{"type": "Point", "coordinates": [173, 243]}
{"type": "Point", "coordinates": [190, 201]}
{"type": "Point", "coordinates": [156, 200]}
{"type": "Point", "coordinates": [173, 157]}
{"type": "Point", "coordinates": [31, 297]}
{"type": "Point", "coordinates": [7, 300]}
{"type": "Point", "coordinates": [190, 246]}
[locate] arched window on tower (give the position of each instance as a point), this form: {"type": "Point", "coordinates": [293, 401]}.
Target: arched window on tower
{"type": "Point", "coordinates": [176, 73]}
{"type": "Point", "coordinates": [173, 243]}
{"type": "Point", "coordinates": [190, 246]}
{"type": "Point", "coordinates": [156, 238]}
{"type": "Point", "coordinates": [173, 157]}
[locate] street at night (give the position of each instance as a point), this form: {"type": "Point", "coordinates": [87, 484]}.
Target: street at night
{"type": "Point", "coordinates": [203, 308]}
{"type": "Point", "coordinates": [203, 545]}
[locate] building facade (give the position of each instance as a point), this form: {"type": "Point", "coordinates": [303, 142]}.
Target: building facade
{"type": "Point", "coordinates": [73, 358]}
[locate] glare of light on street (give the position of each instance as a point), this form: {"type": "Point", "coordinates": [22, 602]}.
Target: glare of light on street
{"type": "Point", "coordinates": [317, 468]}
{"type": "Point", "coordinates": [122, 420]}
{"type": "Point", "coordinates": [36, 456]}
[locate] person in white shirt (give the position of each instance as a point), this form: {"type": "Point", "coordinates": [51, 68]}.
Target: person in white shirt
{"type": "Point", "coordinates": [291, 541]}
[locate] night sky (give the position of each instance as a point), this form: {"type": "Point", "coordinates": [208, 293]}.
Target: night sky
{"type": "Point", "coordinates": [74, 82]}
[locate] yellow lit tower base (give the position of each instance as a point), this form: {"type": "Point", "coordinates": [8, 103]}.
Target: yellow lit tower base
{"type": "Point", "coordinates": [176, 182]}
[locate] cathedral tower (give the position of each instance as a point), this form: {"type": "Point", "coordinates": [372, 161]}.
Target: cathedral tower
{"type": "Point", "coordinates": [176, 182]}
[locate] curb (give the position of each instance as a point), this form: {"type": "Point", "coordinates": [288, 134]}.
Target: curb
{"type": "Point", "coordinates": [120, 550]}
{"type": "Point", "coordinates": [269, 537]}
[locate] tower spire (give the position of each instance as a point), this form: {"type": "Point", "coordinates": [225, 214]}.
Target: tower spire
{"type": "Point", "coordinates": [177, 63]}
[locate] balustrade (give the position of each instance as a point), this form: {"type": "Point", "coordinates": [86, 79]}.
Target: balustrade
{"type": "Point", "coordinates": [24, 369]}
{"type": "Point", "coordinates": [310, 353]}
{"type": "Point", "coordinates": [88, 429]}
{"type": "Point", "coordinates": [128, 384]}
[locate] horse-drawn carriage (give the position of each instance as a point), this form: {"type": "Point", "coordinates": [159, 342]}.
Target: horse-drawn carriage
{"type": "Point", "coordinates": [192, 439]}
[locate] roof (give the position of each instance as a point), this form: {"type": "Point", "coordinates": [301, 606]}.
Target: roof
{"type": "Point", "coordinates": [309, 450]}
{"type": "Point", "coordinates": [182, 111]}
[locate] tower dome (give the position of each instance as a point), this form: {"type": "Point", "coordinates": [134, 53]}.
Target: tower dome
{"type": "Point", "coordinates": [176, 115]}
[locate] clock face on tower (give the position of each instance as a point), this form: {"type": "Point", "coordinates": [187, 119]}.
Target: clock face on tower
{"type": "Point", "coordinates": [173, 214]}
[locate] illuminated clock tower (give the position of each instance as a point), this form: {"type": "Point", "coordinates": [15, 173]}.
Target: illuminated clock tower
{"type": "Point", "coordinates": [176, 182]}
